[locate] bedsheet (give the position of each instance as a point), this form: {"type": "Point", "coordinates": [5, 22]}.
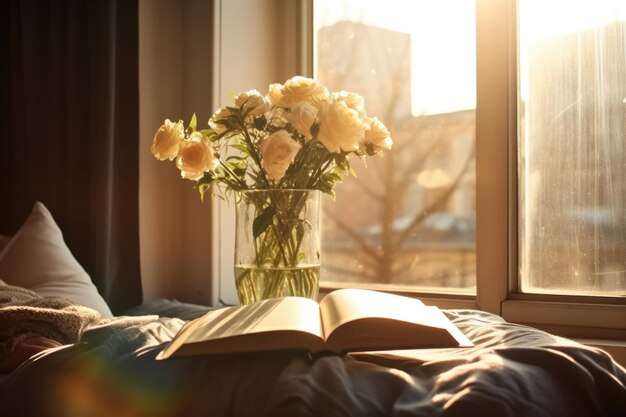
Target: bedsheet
{"type": "Point", "coordinates": [512, 370]}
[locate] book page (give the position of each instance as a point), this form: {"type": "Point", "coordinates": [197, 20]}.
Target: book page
{"type": "Point", "coordinates": [357, 320]}
{"type": "Point", "coordinates": [438, 316]}
{"type": "Point", "coordinates": [346, 305]}
{"type": "Point", "coordinates": [288, 314]}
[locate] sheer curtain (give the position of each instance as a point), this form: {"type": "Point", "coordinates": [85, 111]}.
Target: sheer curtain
{"type": "Point", "coordinates": [70, 131]}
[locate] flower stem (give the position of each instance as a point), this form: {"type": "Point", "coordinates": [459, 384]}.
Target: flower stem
{"type": "Point", "coordinates": [320, 170]}
{"type": "Point", "coordinates": [240, 181]}
{"type": "Point", "coordinates": [252, 151]}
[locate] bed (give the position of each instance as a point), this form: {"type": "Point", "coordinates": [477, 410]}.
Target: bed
{"type": "Point", "coordinates": [108, 368]}
{"type": "Point", "coordinates": [513, 370]}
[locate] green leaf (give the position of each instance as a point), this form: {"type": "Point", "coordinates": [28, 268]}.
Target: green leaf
{"type": "Point", "coordinates": [193, 123]}
{"type": "Point", "coordinates": [240, 172]}
{"type": "Point", "coordinates": [342, 162]}
{"type": "Point", "coordinates": [260, 122]}
{"type": "Point", "coordinates": [203, 188]}
{"type": "Point", "coordinates": [324, 186]}
{"type": "Point", "coordinates": [238, 165]}
{"type": "Point", "coordinates": [235, 159]}
{"type": "Point", "coordinates": [207, 132]}
{"type": "Point", "coordinates": [227, 123]}
{"type": "Point", "coordinates": [241, 147]}
{"type": "Point", "coordinates": [207, 178]}
{"type": "Point", "coordinates": [330, 192]}
{"type": "Point", "coordinates": [262, 221]}
{"type": "Point", "coordinates": [331, 177]}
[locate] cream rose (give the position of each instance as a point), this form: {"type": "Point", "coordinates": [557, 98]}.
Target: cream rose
{"type": "Point", "coordinates": [275, 95]}
{"type": "Point", "coordinates": [167, 140]}
{"type": "Point", "coordinates": [354, 100]}
{"type": "Point", "coordinates": [302, 117]}
{"type": "Point", "coordinates": [377, 137]}
{"type": "Point", "coordinates": [341, 127]}
{"type": "Point", "coordinates": [298, 89]}
{"type": "Point", "coordinates": [278, 151]}
{"type": "Point", "coordinates": [216, 122]}
{"type": "Point", "coordinates": [253, 102]}
{"type": "Point", "coordinates": [195, 157]}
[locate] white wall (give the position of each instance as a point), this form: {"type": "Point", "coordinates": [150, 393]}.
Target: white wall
{"type": "Point", "coordinates": [175, 81]}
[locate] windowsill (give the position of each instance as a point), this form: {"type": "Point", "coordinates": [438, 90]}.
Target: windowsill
{"type": "Point", "coordinates": [585, 320]}
{"type": "Point", "coordinates": [616, 348]}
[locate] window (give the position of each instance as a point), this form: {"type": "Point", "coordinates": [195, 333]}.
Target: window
{"type": "Point", "coordinates": [408, 220]}
{"type": "Point", "coordinates": [506, 189]}
{"type": "Point", "coordinates": [556, 61]}
{"type": "Point", "coordinates": [572, 122]}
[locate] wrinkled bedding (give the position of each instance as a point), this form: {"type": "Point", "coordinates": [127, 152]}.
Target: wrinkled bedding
{"type": "Point", "coordinates": [512, 371]}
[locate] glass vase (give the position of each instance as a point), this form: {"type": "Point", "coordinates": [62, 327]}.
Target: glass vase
{"type": "Point", "coordinates": [277, 244]}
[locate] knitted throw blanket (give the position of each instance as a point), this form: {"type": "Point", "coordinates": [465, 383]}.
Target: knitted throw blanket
{"type": "Point", "coordinates": [23, 314]}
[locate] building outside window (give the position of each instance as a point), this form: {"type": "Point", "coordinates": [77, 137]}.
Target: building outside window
{"type": "Point", "coordinates": [408, 219]}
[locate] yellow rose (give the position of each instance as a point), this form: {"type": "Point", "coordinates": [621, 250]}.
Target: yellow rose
{"type": "Point", "coordinates": [278, 151]}
{"type": "Point", "coordinates": [167, 140]}
{"type": "Point", "coordinates": [302, 117]}
{"type": "Point", "coordinates": [195, 157]}
{"type": "Point", "coordinates": [377, 137]}
{"type": "Point", "coordinates": [341, 127]}
{"type": "Point", "coordinates": [253, 102]}
{"type": "Point", "coordinates": [299, 89]}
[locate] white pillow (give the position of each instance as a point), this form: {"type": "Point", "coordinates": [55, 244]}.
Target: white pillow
{"type": "Point", "coordinates": [38, 259]}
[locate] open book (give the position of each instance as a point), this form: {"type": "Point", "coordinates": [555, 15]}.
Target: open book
{"type": "Point", "coordinates": [344, 321]}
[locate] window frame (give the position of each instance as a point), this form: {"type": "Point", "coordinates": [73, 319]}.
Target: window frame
{"type": "Point", "coordinates": [496, 179]}
{"type": "Point", "coordinates": [497, 193]}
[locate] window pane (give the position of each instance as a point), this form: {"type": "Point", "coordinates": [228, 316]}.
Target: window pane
{"type": "Point", "coordinates": [572, 130]}
{"type": "Point", "coordinates": [408, 219]}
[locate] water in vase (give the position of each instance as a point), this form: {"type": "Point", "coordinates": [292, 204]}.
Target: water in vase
{"type": "Point", "coordinates": [257, 283]}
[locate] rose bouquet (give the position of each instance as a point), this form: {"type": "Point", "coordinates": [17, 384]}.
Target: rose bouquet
{"type": "Point", "coordinates": [270, 150]}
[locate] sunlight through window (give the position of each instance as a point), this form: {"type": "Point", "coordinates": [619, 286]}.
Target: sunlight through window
{"type": "Point", "coordinates": [572, 146]}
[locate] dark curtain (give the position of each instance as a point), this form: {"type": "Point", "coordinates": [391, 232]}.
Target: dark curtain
{"type": "Point", "coordinates": [70, 131]}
